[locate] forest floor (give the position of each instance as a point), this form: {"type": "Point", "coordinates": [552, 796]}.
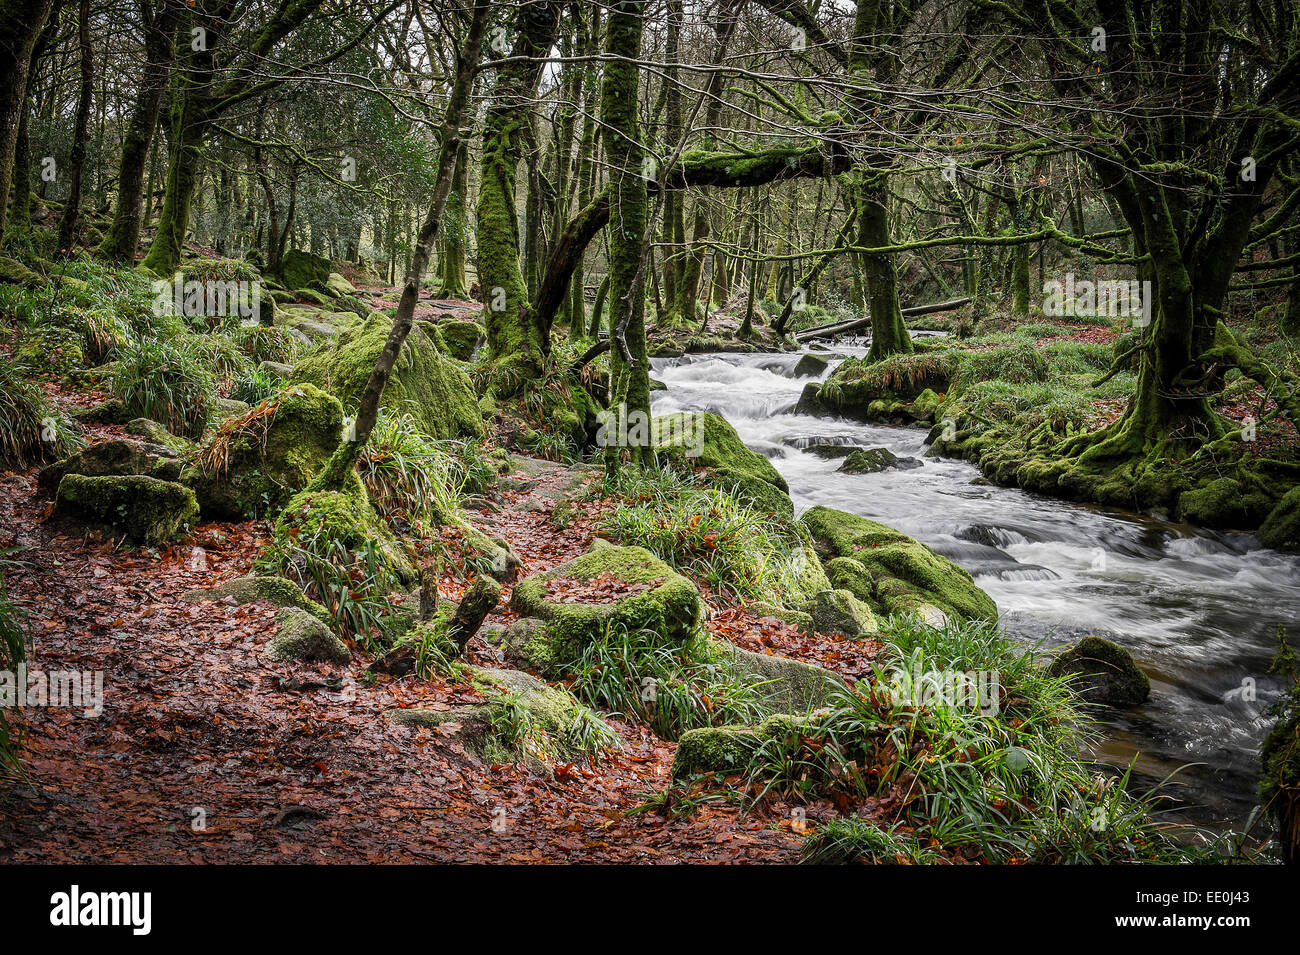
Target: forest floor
{"type": "Point", "coordinates": [207, 752]}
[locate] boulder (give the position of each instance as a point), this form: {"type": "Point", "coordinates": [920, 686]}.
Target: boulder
{"type": "Point", "coordinates": [784, 685]}
{"type": "Point", "coordinates": [268, 459]}
{"type": "Point", "coordinates": [729, 749]}
{"type": "Point", "coordinates": [461, 338]}
{"type": "Point", "coordinates": [112, 411]}
{"type": "Point", "coordinates": [1104, 672]}
{"type": "Point", "coordinates": [891, 572]}
{"type": "Point", "coordinates": [345, 517]}
{"type": "Point", "coordinates": [810, 366]}
{"type": "Point", "coordinates": [707, 440]}
{"type": "Point", "coordinates": [633, 589]}
{"type": "Point", "coordinates": [426, 383]}
{"type": "Point", "coordinates": [13, 272]}
{"type": "Point", "coordinates": [302, 270]}
{"type": "Point", "coordinates": [809, 403]}
{"type": "Point", "coordinates": [144, 509]}
{"type": "Point", "coordinates": [277, 591]}
{"type": "Point", "coordinates": [872, 460]}
{"type": "Point", "coordinates": [113, 458]}
{"type": "Point", "coordinates": [840, 613]}
{"type": "Point", "coordinates": [1223, 503]}
{"type": "Point", "coordinates": [154, 433]}
{"type": "Point", "coordinates": [305, 638]}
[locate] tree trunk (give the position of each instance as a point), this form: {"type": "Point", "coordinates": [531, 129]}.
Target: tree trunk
{"type": "Point", "coordinates": [21, 23]}
{"type": "Point", "coordinates": [69, 224]}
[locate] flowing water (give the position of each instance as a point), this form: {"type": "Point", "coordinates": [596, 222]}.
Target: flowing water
{"type": "Point", "coordinates": [1198, 609]}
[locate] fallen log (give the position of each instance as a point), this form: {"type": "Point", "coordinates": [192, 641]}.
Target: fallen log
{"type": "Point", "coordinates": [839, 328]}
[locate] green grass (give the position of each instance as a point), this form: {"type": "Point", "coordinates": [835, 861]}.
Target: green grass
{"type": "Point", "coordinates": [411, 478]}
{"type": "Point", "coordinates": [165, 380]}
{"type": "Point", "coordinates": [32, 431]}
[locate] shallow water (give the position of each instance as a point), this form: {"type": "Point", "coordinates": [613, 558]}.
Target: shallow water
{"type": "Point", "coordinates": [1199, 610]}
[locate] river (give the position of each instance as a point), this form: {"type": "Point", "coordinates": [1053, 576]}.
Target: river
{"type": "Point", "coordinates": [1199, 610]}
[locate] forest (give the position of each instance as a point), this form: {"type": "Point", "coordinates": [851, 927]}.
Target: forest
{"type": "Point", "coordinates": [705, 431]}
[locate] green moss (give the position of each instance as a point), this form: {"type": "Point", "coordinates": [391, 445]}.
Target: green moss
{"type": "Point", "coordinates": [1279, 789]}
{"type": "Point", "coordinates": [461, 338]}
{"type": "Point", "coordinates": [1224, 502]}
{"type": "Point", "coordinates": [425, 383]}
{"type": "Point", "coordinates": [50, 349]}
{"type": "Point", "coordinates": [144, 509]}
{"type": "Point", "coordinates": [671, 608]}
{"type": "Point", "coordinates": [154, 433]}
{"type": "Point", "coordinates": [784, 685]}
{"type": "Point", "coordinates": [728, 749]}
{"type": "Point", "coordinates": [303, 637]}
{"type": "Point", "coordinates": [277, 591]}
{"type": "Point", "coordinates": [301, 270]}
{"type": "Point", "coordinates": [1281, 528]}
{"type": "Point", "coordinates": [707, 440]}
{"type": "Point", "coordinates": [345, 517]}
{"type": "Point", "coordinates": [890, 571]}
{"type": "Point", "coordinates": [112, 458]}
{"type": "Point", "coordinates": [1104, 672]}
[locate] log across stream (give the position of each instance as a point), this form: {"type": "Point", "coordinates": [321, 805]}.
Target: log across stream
{"type": "Point", "coordinates": [1199, 610]}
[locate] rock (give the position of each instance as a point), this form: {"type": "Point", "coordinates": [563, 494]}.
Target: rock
{"type": "Point", "coordinates": [872, 460]}
{"type": "Point", "coordinates": [657, 385]}
{"type": "Point", "coordinates": [830, 452]}
{"type": "Point", "coordinates": [155, 433]}
{"type": "Point", "coordinates": [1105, 673]}
{"type": "Point", "coordinates": [13, 272]}
{"type": "Point", "coordinates": [426, 383]}
{"type": "Point", "coordinates": [270, 458]}
{"type": "Point", "coordinates": [301, 270]}
{"type": "Point", "coordinates": [891, 572]}
{"type": "Point", "coordinates": [670, 606]}
{"type": "Point", "coordinates": [809, 401]}
{"type": "Point", "coordinates": [810, 366]}
{"type": "Point", "coordinates": [1279, 787]}
{"type": "Point", "coordinates": [839, 613]}
{"type": "Point", "coordinates": [347, 518]}
{"type": "Point", "coordinates": [276, 370]}
{"type": "Point", "coordinates": [707, 440]}
{"type": "Point", "coordinates": [1281, 528]}
{"type": "Point", "coordinates": [50, 348]}
{"type": "Point", "coordinates": [784, 685]}
{"type": "Point", "coordinates": [460, 337]}
{"type": "Point", "coordinates": [113, 458]}
{"type": "Point", "coordinates": [226, 408]}
{"type": "Point", "coordinates": [144, 509]}
{"type": "Point", "coordinates": [304, 637]}
{"type": "Point", "coordinates": [112, 411]}
{"type": "Point", "coordinates": [277, 591]}
{"type": "Point", "coordinates": [1224, 503]}
{"type": "Point", "coordinates": [729, 749]}
{"type": "Point", "coordinates": [339, 286]}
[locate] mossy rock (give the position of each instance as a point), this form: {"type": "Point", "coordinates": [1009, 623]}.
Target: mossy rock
{"type": "Point", "coordinates": [840, 613]}
{"type": "Point", "coordinates": [1223, 503]}
{"type": "Point", "coordinates": [784, 685]}
{"type": "Point", "coordinates": [313, 297]}
{"type": "Point", "coordinates": [460, 337]}
{"type": "Point", "coordinates": [13, 272]}
{"type": "Point", "coordinates": [874, 460]}
{"type": "Point", "coordinates": [729, 749]}
{"type": "Point", "coordinates": [303, 637]}
{"type": "Point", "coordinates": [1279, 788]}
{"type": "Point", "coordinates": [1104, 673]}
{"type": "Point", "coordinates": [50, 348]}
{"type": "Point", "coordinates": [707, 440]}
{"type": "Point", "coordinates": [145, 510]}
{"type": "Point", "coordinates": [1281, 528]}
{"type": "Point", "coordinates": [339, 286]}
{"type": "Point", "coordinates": [810, 366]}
{"type": "Point", "coordinates": [154, 433]}
{"type": "Point", "coordinates": [426, 383]}
{"type": "Point", "coordinates": [671, 608]}
{"type": "Point", "coordinates": [277, 591]}
{"type": "Point", "coordinates": [273, 457]}
{"type": "Point", "coordinates": [115, 457]}
{"type": "Point", "coordinates": [891, 572]}
{"type": "Point", "coordinates": [301, 270]}
{"type": "Point", "coordinates": [348, 518]}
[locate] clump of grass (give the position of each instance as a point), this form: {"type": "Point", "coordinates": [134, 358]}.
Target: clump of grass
{"type": "Point", "coordinates": [847, 841]}
{"type": "Point", "coordinates": [32, 431]}
{"type": "Point", "coordinates": [165, 380]}
{"type": "Point", "coordinates": [412, 478]}
{"type": "Point", "coordinates": [671, 687]}
{"type": "Point", "coordinates": [253, 385]}
{"type": "Point", "coordinates": [265, 343]}
{"type": "Point", "coordinates": [707, 533]}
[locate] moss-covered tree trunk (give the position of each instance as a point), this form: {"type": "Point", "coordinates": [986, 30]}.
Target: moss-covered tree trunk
{"type": "Point", "coordinates": [451, 277]}
{"type": "Point", "coordinates": [21, 23]}
{"type": "Point", "coordinates": [630, 386]}
{"type": "Point", "coordinates": [888, 332]}
{"type": "Point", "coordinates": [123, 235]}
{"type": "Point", "coordinates": [515, 340]}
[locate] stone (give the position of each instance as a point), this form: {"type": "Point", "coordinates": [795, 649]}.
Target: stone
{"type": "Point", "coordinates": [810, 366]}
{"type": "Point", "coordinates": [1104, 673]}
{"type": "Point", "coordinates": [840, 613]}
{"type": "Point", "coordinates": [707, 440]}
{"type": "Point", "coordinates": [873, 460]}
{"type": "Point", "coordinates": [144, 509]}
{"type": "Point", "coordinates": [115, 457]}
{"type": "Point", "coordinates": [303, 637]}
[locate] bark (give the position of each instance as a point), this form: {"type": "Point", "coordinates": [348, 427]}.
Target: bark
{"type": "Point", "coordinates": [21, 23]}
{"type": "Point", "coordinates": [69, 224]}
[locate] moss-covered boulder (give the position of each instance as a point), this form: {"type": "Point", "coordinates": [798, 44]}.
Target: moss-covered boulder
{"type": "Point", "coordinates": [154, 433]}
{"type": "Point", "coordinates": [1279, 789]}
{"type": "Point", "coordinates": [522, 719]}
{"type": "Point", "coordinates": [809, 366]}
{"type": "Point", "coordinates": [303, 637]}
{"type": "Point", "coordinates": [1103, 672]}
{"type": "Point", "coordinates": [873, 460]}
{"type": "Point", "coordinates": [145, 510]}
{"type": "Point", "coordinates": [784, 685]}
{"type": "Point", "coordinates": [840, 613]}
{"type": "Point", "coordinates": [891, 572]}
{"type": "Point", "coordinates": [707, 440]}
{"type": "Point", "coordinates": [1281, 528]}
{"type": "Point", "coordinates": [277, 591]}
{"type": "Point", "coordinates": [338, 286]}
{"type": "Point", "coordinates": [13, 272]}
{"type": "Point", "coordinates": [115, 457]}
{"type": "Point", "coordinates": [1223, 503]}
{"type": "Point", "coordinates": [460, 337]}
{"type": "Point", "coordinates": [348, 519]}
{"type": "Point", "coordinates": [729, 749]}
{"type": "Point", "coordinates": [302, 270]}
{"type": "Point", "coordinates": [607, 586]}
{"type": "Point", "coordinates": [426, 383]}
{"type": "Point", "coordinates": [254, 464]}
